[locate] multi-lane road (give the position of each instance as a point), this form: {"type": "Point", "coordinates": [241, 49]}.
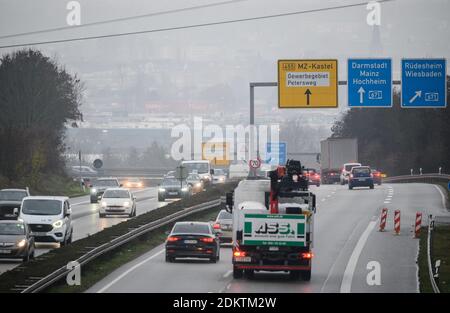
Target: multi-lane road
{"type": "Point", "coordinates": [87, 222]}
{"type": "Point", "coordinates": [348, 250]}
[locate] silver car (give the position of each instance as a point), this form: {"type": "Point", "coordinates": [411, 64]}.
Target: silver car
{"type": "Point", "coordinates": [224, 226]}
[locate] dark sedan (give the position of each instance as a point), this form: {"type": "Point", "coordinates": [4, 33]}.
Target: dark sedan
{"type": "Point", "coordinates": [192, 240]}
{"type": "Point", "coordinates": [172, 188]}
{"type": "Point", "coordinates": [16, 241]}
{"type": "Point", "coordinates": [360, 176]}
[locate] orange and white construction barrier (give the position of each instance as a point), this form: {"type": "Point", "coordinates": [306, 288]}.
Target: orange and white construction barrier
{"type": "Point", "coordinates": [418, 224]}
{"type": "Point", "coordinates": [397, 222]}
{"type": "Point", "coordinates": [383, 218]}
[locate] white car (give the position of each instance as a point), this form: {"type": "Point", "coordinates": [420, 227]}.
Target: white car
{"type": "Point", "coordinates": [49, 218]}
{"type": "Point", "coordinates": [345, 173]}
{"type": "Point", "coordinates": [117, 201]}
{"type": "Point", "coordinates": [219, 176]}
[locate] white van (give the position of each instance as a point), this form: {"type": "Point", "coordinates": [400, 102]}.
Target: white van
{"type": "Point", "coordinates": [200, 167]}
{"type": "Point", "coordinates": [49, 218]}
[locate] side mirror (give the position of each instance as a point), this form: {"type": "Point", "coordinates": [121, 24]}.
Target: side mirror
{"type": "Point", "coordinates": [314, 202]}
{"type": "Point", "coordinates": [16, 211]}
{"type": "Point", "coordinates": [211, 171]}
{"type": "Point", "coordinates": [121, 185]}
{"type": "Point", "coordinates": [68, 212]}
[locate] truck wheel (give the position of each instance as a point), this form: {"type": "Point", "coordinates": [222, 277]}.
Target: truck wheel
{"type": "Point", "coordinates": [350, 187]}
{"type": "Point", "coordinates": [94, 200]}
{"type": "Point", "coordinates": [306, 275]}
{"type": "Point", "coordinates": [371, 186]}
{"type": "Point", "coordinates": [169, 258]}
{"type": "Point", "coordinates": [294, 275]}
{"type": "Point", "coordinates": [160, 198]}
{"type": "Point", "coordinates": [101, 215]}
{"type": "Point", "coordinates": [237, 273]}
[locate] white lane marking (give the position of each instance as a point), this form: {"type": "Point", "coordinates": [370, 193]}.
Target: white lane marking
{"type": "Point", "coordinates": [227, 274]}
{"type": "Point", "coordinates": [129, 271]}
{"type": "Point", "coordinates": [387, 202]}
{"type": "Point", "coordinates": [346, 285]}
{"type": "Point", "coordinates": [442, 197]}
{"type": "Point", "coordinates": [323, 200]}
{"type": "Point", "coordinates": [328, 196]}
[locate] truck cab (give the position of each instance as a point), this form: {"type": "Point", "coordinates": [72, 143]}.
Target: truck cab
{"type": "Point", "coordinates": [273, 222]}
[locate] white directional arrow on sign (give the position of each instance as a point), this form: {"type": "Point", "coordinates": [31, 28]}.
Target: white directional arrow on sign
{"type": "Point", "coordinates": [417, 95]}
{"type": "Point", "coordinates": [361, 92]}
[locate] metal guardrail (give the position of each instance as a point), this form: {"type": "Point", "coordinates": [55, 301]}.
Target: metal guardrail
{"type": "Point", "coordinates": [117, 242]}
{"type": "Point", "coordinates": [430, 266]}
{"type": "Point", "coordinates": [415, 177]}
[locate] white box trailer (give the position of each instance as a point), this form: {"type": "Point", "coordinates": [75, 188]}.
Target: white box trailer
{"type": "Point", "coordinates": [334, 152]}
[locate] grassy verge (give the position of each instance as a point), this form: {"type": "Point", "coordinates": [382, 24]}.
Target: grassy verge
{"type": "Point", "coordinates": [440, 251]}
{"type": "Point", "coordinates": [50, 185]}
{"type": "Point", "coordinates": [57, 258]}
{"type": "Point", "coordinates": [101, 267]}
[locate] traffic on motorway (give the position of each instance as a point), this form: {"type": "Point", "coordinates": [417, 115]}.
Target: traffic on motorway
{"type": "Point", "coordinates": [233, 150]}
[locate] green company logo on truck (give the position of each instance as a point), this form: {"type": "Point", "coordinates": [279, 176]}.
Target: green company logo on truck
{"type": "Point", "coordinates": [276, 230]}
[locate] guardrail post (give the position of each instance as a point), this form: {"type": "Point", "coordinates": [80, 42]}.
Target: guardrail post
{"type": "Point", "coordinates": [412, 172]}
{"type": "Point", "coordinates": [440, 169]}
{"type": "Point", "coordinates": [420, 171]}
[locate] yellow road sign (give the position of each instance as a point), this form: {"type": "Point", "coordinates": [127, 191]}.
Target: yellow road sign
{"type": "Point", "coordinates": [307, 83]}
{"type": "Point", "coordinates": [216, 152]}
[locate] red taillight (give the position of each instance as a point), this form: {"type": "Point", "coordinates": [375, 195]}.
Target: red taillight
{"type": "Point", "coordinates": [307, 255]}
{"type": "Point", "coordinates": [238, 253]}
{"type": "Point", "coordinates": [216, 226]}
{"type": "Point", "coordinates": [317, 176]}
{"type": "Point", "coordinates": [173, 238]}
{"type": "Point", "coordinates": [351, 175]}
{"type": "Point", "coordinates": [207, 239]}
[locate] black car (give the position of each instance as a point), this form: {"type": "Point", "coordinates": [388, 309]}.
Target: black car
{"type": "Point", "coordinates": [360, 176]}
{"type": "Point", "coordinates": [172, 188]}
{"type": "Point", "coordinates": [99, 186]}
{"type": "Point", "coordinates": [11, 199]}
{"type": "Point", "coordinates": [192, 240]}
{"type": "Point", "coordinates": [16, 241]}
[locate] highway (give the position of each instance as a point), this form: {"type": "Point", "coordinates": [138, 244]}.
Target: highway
{"type": "Point", "coordinates": [346, 241]}
{"type": "Point", "coordinates": [87, 222]}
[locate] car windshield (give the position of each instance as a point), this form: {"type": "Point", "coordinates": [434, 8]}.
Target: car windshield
{"type": "Point", "coordinates": [219, 172]}
{"type": "Point", "coordinates": [116, 194]}
{"type": "Point", "coordinates": [9, 195]}
{"type": "Point", "coordinates": [41, 207]}
{"type": "Point", "coordinates": [170, 182]}
{"type": "Point", "coordinates": [361, 171]}
{"type": "Point", "coordinates": [224, 215]}
{"type": "Point", "coordinates": [193, 228]}
{"type": "Point", "coordinates": [12, 229]}
{"type": "Point", "coordinates": [348, 167]}
{"type": "Point", "coordinates": [106, 183]}
{"type": "Point", "coordinates": [200, 168]}
{"type": "Point", "coordinates": [193, 177]}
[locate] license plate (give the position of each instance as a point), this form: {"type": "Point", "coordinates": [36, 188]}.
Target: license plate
{"type": "Point", "coordinates": [362, 179]}
{"type": "Point", "coordinates": [5, 251]}
{"type": "Point", "coordinates": [190, 241]}
{"type": "Point", "coordinates": [226, 227]}
{"type": "Point", "coordinates": [173, 193]}
{"type": "Point", "coordinates": [39, 234]}
{"type": "Point", "coordinates": [274, 248]}
{"type": "Point", "coordinates": [243, 259]}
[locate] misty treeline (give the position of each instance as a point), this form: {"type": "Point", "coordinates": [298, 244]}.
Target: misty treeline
{"type": "Point", "coordinates": [397, 140]}
{"type": "Point", "coordinates": [155, 156]}
{"type": "Point", "coordinates": [38, 98]}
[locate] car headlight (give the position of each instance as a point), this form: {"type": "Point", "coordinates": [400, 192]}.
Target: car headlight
{"type": "Point", "coordinates": [184, 189]}
{"type": "Point", "coordinates": [139, 184]}
{"type": "Point", "coordinates": [221, 179]}
{"type": "Point", "coordinates": [58, 224]}
{"type": "Point", "coordinates": [126, 203]}
{"type": "Point", "coordinates": [21, 243]}
{"type": "Point", "coordinates": [198, 184]}
{"type": "Point", "coordinates": [162, 189]}
{"type": "Point", "coordinates": [104, 204]}
{"type": "Point", "coordinates": [93, 190]}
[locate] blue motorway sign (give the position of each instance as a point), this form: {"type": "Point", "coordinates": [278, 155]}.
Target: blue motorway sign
{"type": "Point", "coordinates": [424, 83]}
{"type": "Point", "coordinates": [369, 82]}
{"type": "Point", "coordinates": [276, 153]}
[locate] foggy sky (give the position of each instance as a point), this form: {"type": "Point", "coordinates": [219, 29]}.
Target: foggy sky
{"type": "Point", "coordinates": [243, 52]}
